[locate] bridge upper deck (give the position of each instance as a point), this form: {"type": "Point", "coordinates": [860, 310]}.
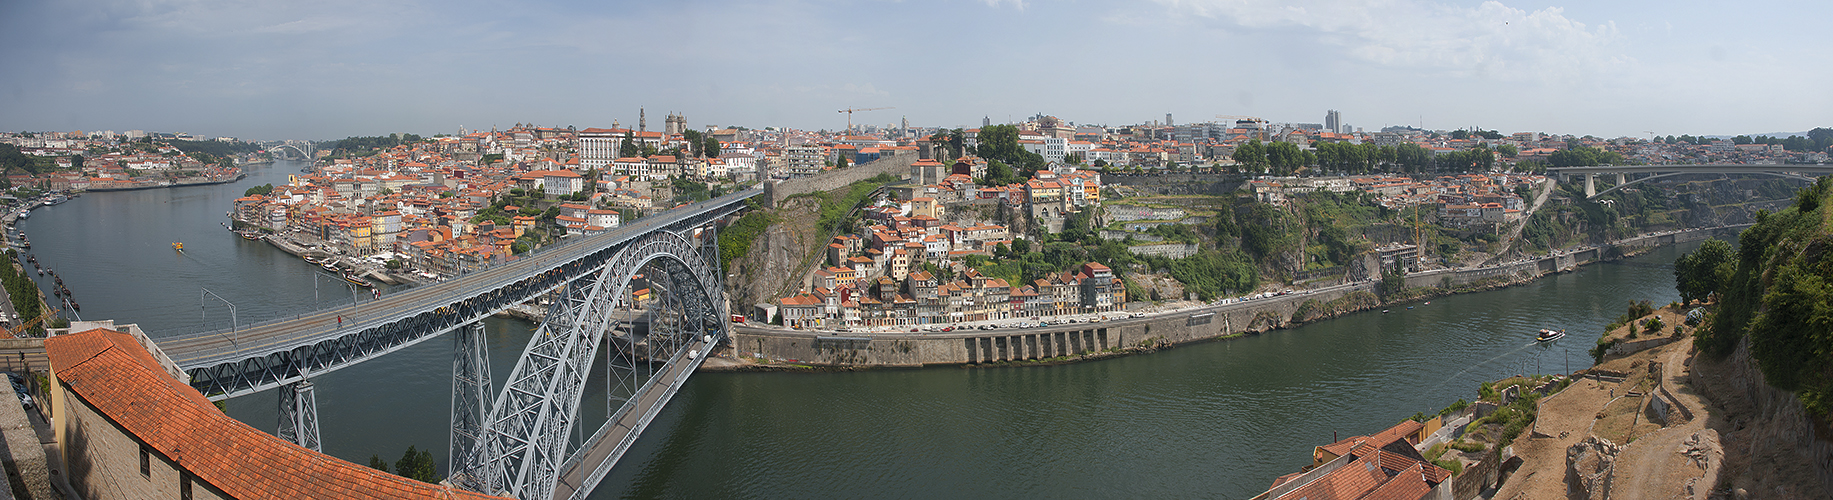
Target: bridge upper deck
{"type": "Point", "coordinates": [259, 340]}
{"type": "Point", "coordinates": [1711, 168]}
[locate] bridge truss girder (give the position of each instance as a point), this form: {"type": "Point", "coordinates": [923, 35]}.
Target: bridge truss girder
{"type": "Point", "coordinates": [524, 446]}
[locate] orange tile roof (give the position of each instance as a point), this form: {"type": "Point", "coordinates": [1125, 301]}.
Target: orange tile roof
{"type": "Point", "coordinates": [109, 371]}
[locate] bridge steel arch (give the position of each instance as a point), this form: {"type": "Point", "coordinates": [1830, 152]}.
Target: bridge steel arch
{"type": "Point", "coordinates": [302, 151]}
{"type": "Point", "coordinates": [524, 452]}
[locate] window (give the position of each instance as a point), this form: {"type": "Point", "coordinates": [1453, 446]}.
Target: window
{"type": "Point", "coordinates": [146, 462]}
{"type": "Point", "coordinates": [184, 486]}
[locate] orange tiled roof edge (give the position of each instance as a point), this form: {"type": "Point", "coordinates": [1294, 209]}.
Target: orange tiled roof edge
{"type": "Point", "coordinates": [110, 372]}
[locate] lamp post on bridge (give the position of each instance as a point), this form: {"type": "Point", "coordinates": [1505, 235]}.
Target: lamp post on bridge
{"type": "Point", "coordinates": [233, 322]}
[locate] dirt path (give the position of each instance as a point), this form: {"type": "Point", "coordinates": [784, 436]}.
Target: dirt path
{"type": "Point", "coordinates": [1652, 465]}
{"type": "Point", "coordinates": [1564, 419]}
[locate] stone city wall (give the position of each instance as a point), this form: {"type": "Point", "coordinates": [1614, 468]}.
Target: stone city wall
{"type": "Point", "coordinates": [898, 165]}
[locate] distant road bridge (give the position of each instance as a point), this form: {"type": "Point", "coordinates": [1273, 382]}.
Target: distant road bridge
{"type": "Point", "coordinates": [305, 151]}
{"type": "Point", "coordinates": [1651, 172]}
{"type": "Point", "coordinates": [514, 444]}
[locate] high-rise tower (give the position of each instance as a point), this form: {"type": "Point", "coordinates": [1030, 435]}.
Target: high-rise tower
{"type": "Point", "coordinates": [1333, 121]}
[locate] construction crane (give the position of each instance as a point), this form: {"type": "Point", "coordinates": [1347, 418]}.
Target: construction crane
{"type": "Point", "coordinates": [14, 332]}
{"type": "Point", "coordinates": [849, 116]}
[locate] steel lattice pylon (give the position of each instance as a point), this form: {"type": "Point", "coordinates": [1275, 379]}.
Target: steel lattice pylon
{"type": "Point", "coordinates": [524, 445]}
{"type": "Point", "coordinates": [470, 394]}
{"type": "Point", "coordinates": [299, 415]}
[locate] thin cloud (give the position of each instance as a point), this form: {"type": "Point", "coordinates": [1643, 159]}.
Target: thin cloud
{"type": "Point", "coordinates": [1489, 40]}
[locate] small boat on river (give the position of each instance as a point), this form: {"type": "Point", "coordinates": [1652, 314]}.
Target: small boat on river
{"type": "Point", "coordinates": [179, 246]}
{"type": "Point", "coordinates": [354, 280]}
{"type": "Point", "coordinates": [1549, 335]}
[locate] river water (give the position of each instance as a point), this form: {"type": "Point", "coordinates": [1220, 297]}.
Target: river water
{"type": "Point", "coordinates": [1218, 419]}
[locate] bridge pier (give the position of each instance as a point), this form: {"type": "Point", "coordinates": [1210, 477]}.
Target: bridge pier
{"type": "Point", "coordinates": [299, 415]}
{"type": "Point", "coordinates": [1591, 185]}
{"type": "Point", "coordinates": [1621, 179]}
{"type": "Point", "coordinates": [470, 397]}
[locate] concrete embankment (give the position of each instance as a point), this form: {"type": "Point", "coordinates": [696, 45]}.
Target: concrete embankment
{"type": "Point", "coordinates": [1073, 341]}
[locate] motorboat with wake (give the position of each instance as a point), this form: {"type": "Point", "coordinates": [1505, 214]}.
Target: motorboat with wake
{"type": "Point", "coordinates": [1546, 335]}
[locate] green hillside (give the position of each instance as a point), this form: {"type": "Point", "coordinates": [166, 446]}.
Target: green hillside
{"type": "Point", "coordinates": [1777, 289]}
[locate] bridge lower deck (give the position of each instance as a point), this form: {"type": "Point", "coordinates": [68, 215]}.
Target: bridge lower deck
{"type": "Point", "coordinates": [610, 442]}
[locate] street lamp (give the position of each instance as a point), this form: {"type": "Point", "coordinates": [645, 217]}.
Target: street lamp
{"type": "Point", "coordinates": [233, 322]}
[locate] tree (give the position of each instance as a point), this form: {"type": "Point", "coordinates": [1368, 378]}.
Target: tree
{"type": "Point", "coordinates": [376, 462]}
{"type": "Point", "coordinates": [1251, 155]}
{"type": "Point", "coordinates": [1394, 279]}
{"type": "Point", "coordinates": [1822, 137]}
{"type": "Point", "coordinates": [1075, 226]}
{"type": "Point", "coordinates": [710, 147]}
{"type": "Point", "coordinates": [1000, 142]}
{"type": "Point", "coordinates": [1584, 156]}
{"type": "Point", "coordinates": [693, 139]}
{"type": "Point", "coordinates": [1285, 158]}
{"type": "Point", "coordinates": [1073, 158]}
{"type": "Point", "coordinates": [999, 174]}
{"type": "Point", "coordinates": [841, 163]}
{"type": "Point", "coordinates": [628, 148]}
{"type": "Point", "coordinates": [1700, 273]}
{"type": "Point", "coordinates": [1508, 150]}
{"type": "Point", "coordinates": [417, 465]}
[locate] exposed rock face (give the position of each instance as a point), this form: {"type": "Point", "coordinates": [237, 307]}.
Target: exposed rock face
{"type": "Point", "coordinates": [1704, 450]}
{"type": "Point", "coordinates": [1589, 464]}
{"type": "Point", "coordinates": [775, 263]}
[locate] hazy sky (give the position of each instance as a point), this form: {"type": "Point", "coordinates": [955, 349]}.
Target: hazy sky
{"type": "Point", "coordinates": [334, 68]}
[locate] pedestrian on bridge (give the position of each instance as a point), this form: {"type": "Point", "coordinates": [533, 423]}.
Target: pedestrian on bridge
{"type": "Point", "coordinates": [340, 321]}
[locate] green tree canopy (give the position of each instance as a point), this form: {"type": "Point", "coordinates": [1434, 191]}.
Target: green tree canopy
{"type": "Point", "coordinates": [1000, 142]}
{"type": "Point", "coordinates": [1251, 155]}
{"type": "Point", "coordinates": [1703, 271]}
{"type": "Point", "coordinates": [417, 465]}
{"type": "Point", "coordinates": [999, 174]}
{"type": "Point", "coordinates": [1584, 156]}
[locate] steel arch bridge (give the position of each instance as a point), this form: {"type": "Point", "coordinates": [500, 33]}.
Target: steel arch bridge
{"type": "Point", "coordinates": [1626, 173]}
{"type": "Point", "coordinates": [515, 443]}
{"type": "Point", "coordinates": [305, 152]}
{"type": "Point", "coordinates": [520, 446]}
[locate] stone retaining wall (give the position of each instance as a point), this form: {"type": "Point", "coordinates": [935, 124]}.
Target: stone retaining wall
{"type": "Point", "coordinates": [990, 346]}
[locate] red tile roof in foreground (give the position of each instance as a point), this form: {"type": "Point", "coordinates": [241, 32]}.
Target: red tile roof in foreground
{"type": "Point", "coordinates": [113, 374]}
{"type": "Point", "coordinates": [1370, 472]}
